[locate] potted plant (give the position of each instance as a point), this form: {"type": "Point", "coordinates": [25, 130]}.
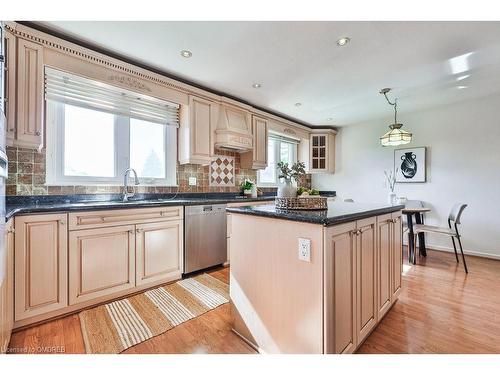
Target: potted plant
{"type": "Point", "coordinates": [287, 190]}
{"type": "Point", "coordinates": [247, 187]}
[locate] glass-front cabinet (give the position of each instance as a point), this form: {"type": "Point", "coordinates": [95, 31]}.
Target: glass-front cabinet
{"type": "Point", "coordinates": [322, 157]}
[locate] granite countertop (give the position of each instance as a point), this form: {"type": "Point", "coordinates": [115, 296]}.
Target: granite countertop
{"type": "Point", "coordinates": [19, 205]}
{"type": "Point", "coordinates": [337, 213]}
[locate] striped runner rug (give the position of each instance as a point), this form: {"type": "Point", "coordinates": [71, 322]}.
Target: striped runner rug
{"type": "Point", "coordinates": [116, 326]}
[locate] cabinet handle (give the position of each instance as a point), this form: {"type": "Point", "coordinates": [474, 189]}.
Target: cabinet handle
{"type": "Point", "coordinates": [11, 231]}
{"type": "Point", "coordinates": [130, 231]}
{"type": "Point", "coordinates": [138, 230]}
{"type": "Point", "coordinates": [37, 133]}
{"type": "Point", "coordinates": [61, 222]}
{"type": "Point", "coordinates": [103, 219]}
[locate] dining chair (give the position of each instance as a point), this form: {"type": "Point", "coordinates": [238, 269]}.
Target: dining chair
{"type": "Point", "coordinates": [454, 216]}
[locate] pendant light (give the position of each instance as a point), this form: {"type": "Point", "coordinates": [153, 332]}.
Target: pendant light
{"type": "Point", "coordinates": [396, 136]}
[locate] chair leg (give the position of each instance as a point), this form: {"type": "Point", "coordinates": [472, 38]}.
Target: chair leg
{"type": "Point", "coordinates": [454, 247]}
{"type": "Point", "coordinates": [415, 248]}
{"type": "Point", "coordinates": [463, 256]}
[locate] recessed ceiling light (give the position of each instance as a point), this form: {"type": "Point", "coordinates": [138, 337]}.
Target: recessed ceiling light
{"type": "Point", "coordinates": [329, 119]}
{"type": "Point", "coordinates": [187, 54]}
{"type": "Point", "coordinates": [343, 41]}
{"type": "Point", "coordinates": [461, 87]}
{"type": "Point", "coordinates": [256, 85]}
{"type": "Point", "coordinates": [298, 104]}
{"type": "Point", "coordinates": [463, 77]}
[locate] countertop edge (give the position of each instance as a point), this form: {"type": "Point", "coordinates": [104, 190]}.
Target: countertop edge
{"type": "Point", "coordinates": [313, 220]}
{"type": "Point", "coordinates": [100, 206]}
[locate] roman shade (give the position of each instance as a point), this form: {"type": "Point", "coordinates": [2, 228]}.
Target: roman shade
{"type": "Point", "coordinates": [79, 91]}
{"type": "Point", "coordinates": [283, 138]}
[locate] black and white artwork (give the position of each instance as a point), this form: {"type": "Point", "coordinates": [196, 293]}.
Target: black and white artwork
{"type": "Point", "coordinates": [409, 164]}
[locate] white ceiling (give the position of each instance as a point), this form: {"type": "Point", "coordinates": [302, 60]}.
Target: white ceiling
{"type": "Point", "coordinates": [300, 61]}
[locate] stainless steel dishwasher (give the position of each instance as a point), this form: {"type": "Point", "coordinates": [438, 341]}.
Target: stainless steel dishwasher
{"type": "Point", "coordinates": [205, 239]}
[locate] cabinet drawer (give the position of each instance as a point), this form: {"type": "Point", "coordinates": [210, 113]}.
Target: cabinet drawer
{"type": "Point", "coordinates": [94, 219]}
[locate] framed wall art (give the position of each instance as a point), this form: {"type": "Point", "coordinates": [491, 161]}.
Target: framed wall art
{"type": "Point", "coordinates": [410, 164]}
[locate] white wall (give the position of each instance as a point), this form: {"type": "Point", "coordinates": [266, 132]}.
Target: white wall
{"type": "Point", "coordinates": [463, 165]}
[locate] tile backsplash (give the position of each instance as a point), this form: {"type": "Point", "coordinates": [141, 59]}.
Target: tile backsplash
{"type": "Point", "coordinates": [27, 177]}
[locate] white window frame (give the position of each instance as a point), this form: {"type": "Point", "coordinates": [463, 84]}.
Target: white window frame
{"type": "Point", "coordinates": [277, 156]}
{"type": "Point", "coordinates": [55, 153]}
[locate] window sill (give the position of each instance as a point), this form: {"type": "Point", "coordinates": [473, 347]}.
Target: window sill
{"type": "Point", "coordinates": [81, 183]}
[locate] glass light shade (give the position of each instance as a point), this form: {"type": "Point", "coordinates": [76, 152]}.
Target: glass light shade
{"type": "Point", "coordinates": [396, 136]}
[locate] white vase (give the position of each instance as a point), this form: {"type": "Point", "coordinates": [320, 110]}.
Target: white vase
{"type": "Point", "coordinates": [391, 198]}
{"type": "Point", "coordinates": [287, 190]}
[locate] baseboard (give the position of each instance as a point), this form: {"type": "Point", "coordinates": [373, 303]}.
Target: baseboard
{"type": "Point", "coordinates": [466, 252]}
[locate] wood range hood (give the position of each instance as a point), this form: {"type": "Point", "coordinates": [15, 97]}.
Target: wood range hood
{"type": "Point", "coordinates": [234, 128]}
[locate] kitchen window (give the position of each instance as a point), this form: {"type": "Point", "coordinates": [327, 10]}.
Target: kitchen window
{"type": "Point", "coordinates": [93, 136]}
{"type": "Point", "coordinates": [279, 148]}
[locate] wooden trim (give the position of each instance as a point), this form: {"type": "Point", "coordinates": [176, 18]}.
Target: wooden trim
{"type": "Point", "coordinates": [118, 62]}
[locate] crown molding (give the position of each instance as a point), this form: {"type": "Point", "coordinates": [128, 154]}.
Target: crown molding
{"type": "Point", "coordinates": [97, 55]}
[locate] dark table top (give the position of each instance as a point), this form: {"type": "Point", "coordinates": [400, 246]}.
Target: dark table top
{"type": "Point", "coordinates": [337, 213]}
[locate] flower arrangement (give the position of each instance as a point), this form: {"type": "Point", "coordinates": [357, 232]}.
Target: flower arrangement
{"type": "Point", "coordinates": [391, 179]}
{"type": "Point", "coordinates": [295, 172]}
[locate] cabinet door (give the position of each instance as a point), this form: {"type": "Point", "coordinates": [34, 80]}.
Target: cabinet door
{"type": "Point", "coordinates": [159, 252]}
{"type": "Point", "coordinates": [340, 289]}
{"type": "Point", "coordinates": [366, 278]}
{"type": "Point", "coordinates": [9, 302]}
{"type": "Point", "coordinates": [30, 102]}
{"type": "Point", "coordinates": [101, 262]}
{"type": "Point", "coordinates": [40, 264]}
{"type": "Point", "coordinates": [318, 152]}
{"type": "Point", "coordinates": [397, 255]}
{"type": "Point", "coordinates": [10, 87]}
{"type": "Point", "coordinates": [384, 258]}
{"type": "Point", "coordinates": [257, 158]}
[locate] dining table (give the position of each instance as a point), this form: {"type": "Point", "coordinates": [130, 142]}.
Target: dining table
{"type": "Point", "coordinates": [419, 219]}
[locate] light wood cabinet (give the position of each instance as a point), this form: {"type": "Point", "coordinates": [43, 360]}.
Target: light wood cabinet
{"type": "Point", "coordinates": [10, 87]}
{"type": "Point", "coordinates": [7, 289]}
{"type": "Point", "coordinates": [196, 131]}
{"type": "Point", "coordinates": [159, 249]}
{"type": "Point", "coordinates": [366, 278]}
{"type": "Point", "coordinates": [101, 262]}
{"type": "Point", "coordinates": [40, 264]}
{"type": "Point", "coordinates": [397, 255]}
{"type": "Point", "coordinates": [390, 258]}
{"type": "Point", "coordinates": [340, 289]}
{"type": "Point", "coordinates": [30, 95]}
{"type": "Point", "coordinates": [384, 235]}
{"type": "Point", "coordinates": [322, 151]}
{"type": "Point", "coordinates": [257, 158]}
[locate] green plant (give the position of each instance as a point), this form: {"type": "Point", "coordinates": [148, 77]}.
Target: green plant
{"type": "Point", "coordinates": [247, 185]}
{"type": "Point", "coordinates": [295, 172]}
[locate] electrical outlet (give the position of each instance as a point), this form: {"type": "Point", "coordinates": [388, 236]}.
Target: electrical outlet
{"type": "Point", "coordinates": [305, 249]}
{"type": "Point", "coordinates": [192, 181]}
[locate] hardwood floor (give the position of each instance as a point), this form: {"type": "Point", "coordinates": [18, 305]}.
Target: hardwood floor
{"type": "Point", "coordinates": [440, 310]}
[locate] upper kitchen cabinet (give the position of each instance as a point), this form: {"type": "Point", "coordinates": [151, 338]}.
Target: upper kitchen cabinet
{"type": "Point", "coordinates": [10, 87]}
{"type": "Point", "coordinates": [196, 131]}
{"type": "Point", "coordinates": [322, 151]}
{"type": "Point", "coordinates": [30, 103]}
{"type": "Point", "coordinates": [234, 128]}
{"type": "Point", "coordinates": [257, 158]}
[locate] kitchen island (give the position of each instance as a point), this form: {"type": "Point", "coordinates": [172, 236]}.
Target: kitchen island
{"type": "Point", "coordinates": [313, 281]}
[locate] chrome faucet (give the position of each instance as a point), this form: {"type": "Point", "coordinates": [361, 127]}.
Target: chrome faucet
{"type": "Point", "coordinates": [126, 194]}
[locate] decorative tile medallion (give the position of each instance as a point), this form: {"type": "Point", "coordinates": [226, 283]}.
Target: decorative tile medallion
{"type": "Point", "coordinates": [222, 171]}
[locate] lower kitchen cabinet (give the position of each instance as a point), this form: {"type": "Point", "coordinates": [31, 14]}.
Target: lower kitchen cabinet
{"type": "Point", "coordinates": [340, 289]}
{"type": "Point", "coordinates": [101, 262]}
{"type": "Point", "coordinates": [366, 278]}
{"type": "Point", "coordinates": [7, 290]}
{"type": "Point", "coordinates": [363, 264]}
{"type": "Point", "coordinates": [41, 269]}
{"type": "Point", "coordinates": [159, 249]}
{"type": "Point", "coordinates": [384, 235]}
{"type": "Point", "coordinates": [397, 255]}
